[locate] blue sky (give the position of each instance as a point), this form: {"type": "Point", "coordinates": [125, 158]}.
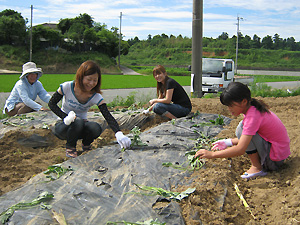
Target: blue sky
{"type": "Point", "coordinates": [143, 17]}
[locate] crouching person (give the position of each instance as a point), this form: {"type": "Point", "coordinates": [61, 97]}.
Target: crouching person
{"type": "Point", "coordinates": [23, 95]}
{"type": "Point", "coordinates": [77, 97]}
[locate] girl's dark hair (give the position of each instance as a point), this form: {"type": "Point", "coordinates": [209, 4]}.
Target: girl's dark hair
{"type": "Point", "coordinates": [88, 68]}
{"type": "Point", "coordinates": [237, 92]}
{"type": "Point", "coordinates": [160, 87]}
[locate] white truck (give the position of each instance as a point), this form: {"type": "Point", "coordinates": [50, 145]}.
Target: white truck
{"type": "Point", "coordinates": [216, 74]}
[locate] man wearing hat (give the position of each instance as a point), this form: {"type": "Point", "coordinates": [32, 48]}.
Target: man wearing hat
{"type": "Point", "coordinates": [22, 97]}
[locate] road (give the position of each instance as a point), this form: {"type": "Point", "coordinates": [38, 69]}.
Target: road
{"type": "Point", "coordinates": [269, 72]}
{"type": "Point", "coordinates": [143, 94]}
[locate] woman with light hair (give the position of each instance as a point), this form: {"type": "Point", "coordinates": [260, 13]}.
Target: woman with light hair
{"type": "Point", "coordinates": [172, 101]}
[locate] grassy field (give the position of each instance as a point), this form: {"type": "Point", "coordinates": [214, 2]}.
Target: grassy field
{"type": "Point", "coordinates": [52, 81]}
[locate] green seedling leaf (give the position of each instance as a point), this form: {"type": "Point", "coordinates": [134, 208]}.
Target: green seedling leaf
{"type": "Point", "coordinates": [218, 121]}
{"type": "Point", "coordinates": [167, 194]}
{"type": "Point", "coordinates": [179, 167]}
{"type": "Point", "coordinates": [193, 163]}
{"type": "Point", "coordinates": [44, 206]}
{"type": "Point", "coordinates": [184, 194]}
{"type": "Point", "coordinates": [24, 117]}
{"type": "Point", "coordinates": [7, 214]}
{"type": "Point", "coordinates": [57, 170]}
{"type": "Point", "coordinates": [136, 140]}
{"type": "Point", "coordinates": [11, 124]}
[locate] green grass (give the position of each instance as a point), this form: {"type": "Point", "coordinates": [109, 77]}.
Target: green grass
{"type": "Point", "coordinates": [271, 78]}
{"type": "Point", "coordinates": [52, 81]}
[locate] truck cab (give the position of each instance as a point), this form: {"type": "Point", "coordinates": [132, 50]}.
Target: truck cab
{"type": "Point", "coordinates": [216, 74]}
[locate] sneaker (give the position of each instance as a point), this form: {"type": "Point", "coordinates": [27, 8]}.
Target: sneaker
{"type": "Point", "coordinates": [253, 175]}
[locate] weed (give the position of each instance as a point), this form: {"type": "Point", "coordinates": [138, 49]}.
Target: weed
{"type": "Point", "coordinates": [217, 121]}
{"type": "Point", "coordinates": [43, 197]}
{"type": "Point", "coordinates": [136, 140]}
{"type": "Point", "coordinates": [167, 194]}
{"type": "Point", "coordinates": [193, 163]}
{"type": "Point", "coordinates": [57, 170]}
{"type": "Point", "coordinates": [18, 152]}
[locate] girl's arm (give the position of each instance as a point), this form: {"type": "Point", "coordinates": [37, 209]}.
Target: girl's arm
{"type": "Point", "coordinates": [236, 150]}
{"type": "Point", "coordinates": [56, 97]}
{"type": "Point", "coordinates": [123, 141]}
{"type": "Point", "coordinates": [166, 100]}
{"type": "Point", "coordinates": [111, 121]}
{"type": "Point", "coordinates": [235, 141]}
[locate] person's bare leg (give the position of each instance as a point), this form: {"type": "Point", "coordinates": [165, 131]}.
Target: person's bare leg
{"type": "Point", "coordinates": [24, 109]}
{"type": "Point", "coordinates": [255, 163]}
{"type": "Point", "coordinates": [170, 115]}
{"type": "Point", "coordinates": [15, 110]}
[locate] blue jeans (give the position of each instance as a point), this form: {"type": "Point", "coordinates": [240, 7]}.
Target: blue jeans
{"type": "Point", "coordinates": [79, 129]}
{"type": "Point", "coordinates": [175, 109]}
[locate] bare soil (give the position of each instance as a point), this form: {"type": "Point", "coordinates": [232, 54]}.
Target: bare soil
{"type": "Point", "coordinates": [273, 199]}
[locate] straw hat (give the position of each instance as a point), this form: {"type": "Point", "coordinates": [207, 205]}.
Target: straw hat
{"type": "Point", "coordinates": [30, 67]}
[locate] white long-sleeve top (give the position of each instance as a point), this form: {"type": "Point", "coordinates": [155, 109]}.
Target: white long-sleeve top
{"type": "Point", "coordinates": [27, 93]}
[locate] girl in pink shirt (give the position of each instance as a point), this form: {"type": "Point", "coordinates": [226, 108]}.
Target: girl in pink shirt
{"type": "Point", "coordinates": [260, 134]}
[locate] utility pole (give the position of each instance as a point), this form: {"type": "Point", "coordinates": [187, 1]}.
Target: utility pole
{"type": "Point", "coordinates": [237, 42]}
{"type": "Point", "coordinates": [120, 37]}
{"type": "Point", "coordinates": [30, 54]}
{"type": "Point", "coordinates": [197, 30]}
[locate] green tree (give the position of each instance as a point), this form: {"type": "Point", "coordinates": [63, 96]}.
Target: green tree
{"type": "Point", "coordinates": [267, 42]}
{"type": "Point", "coordinates": [43, 37]}
{"type": "Point", "coordinates": [64, 25]}
{"type": "Point", "coordinates": [291, 44]}
{"type": "Point", "coordinates": [223, 36]}
{"type": "Point", "coordinates": [255, 43]}
{"type": "Point", "coordinates": [133, 41]}
{"type": "Point", "coordinates": [149, 37]}
{"type": "Point", "coordinates": [75, 34]}
{"type": "Point", "coordinates": [108, 42]}
{"type": "Point", "coordinates": [124, 47]}
{"type": "Point", "coordinates": [85, 19]}
{"type": "Point", "coordinates": [89, 37]}
{"type": "Point", "coordinates": [13, 28]}
{"type": "Point", "coordinates": [246, 42]}
{"type": "Point", "coordinates": [278, 42]}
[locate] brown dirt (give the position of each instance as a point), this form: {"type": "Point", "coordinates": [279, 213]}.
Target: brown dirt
{"type": "Point", "coordinates": [273, 199]}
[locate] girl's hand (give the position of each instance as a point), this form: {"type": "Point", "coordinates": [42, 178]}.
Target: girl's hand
{"type": "Point", "coordinates": [44, 109]}
{"type": "Point", "coordinates": [123, 141]}
{"type": "Point", "coordinates": [152, 101]}
{"type": "Point", "coordinates": [146, 111]}
{"type": "Point", "coordinates": [222, 144]}
{"type": "Point", "coordinates": [70, 118]}
{"type": "Point", "coordinates": [202, 153]}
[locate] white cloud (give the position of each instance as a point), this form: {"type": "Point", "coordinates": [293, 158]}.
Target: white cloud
{"type": "Point", "coordinates": [261, 17]}
{"type": "Point", "coordinates": [257, 5]}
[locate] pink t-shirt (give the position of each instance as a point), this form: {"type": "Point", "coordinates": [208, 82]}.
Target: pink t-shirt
{"type": "Point", "coordinates": [270, 128]}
